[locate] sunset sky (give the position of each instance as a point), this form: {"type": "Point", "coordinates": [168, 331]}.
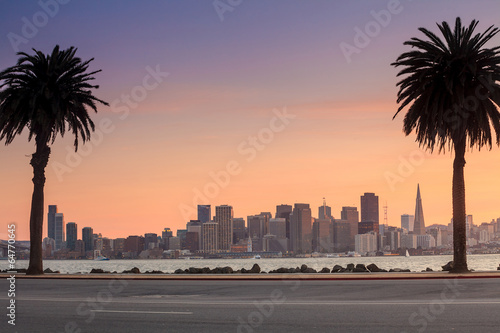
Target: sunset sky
{"type": "Point", "coordinates": [231, 71]}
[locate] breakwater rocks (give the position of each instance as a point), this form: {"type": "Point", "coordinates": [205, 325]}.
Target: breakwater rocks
{"type": "Point", "coordinates": [350, 268]}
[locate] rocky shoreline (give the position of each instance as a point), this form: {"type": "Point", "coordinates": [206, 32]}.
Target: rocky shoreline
{"type": "Point", "coordinates": [304, 269]}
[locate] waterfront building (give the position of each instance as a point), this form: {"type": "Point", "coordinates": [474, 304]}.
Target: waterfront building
{"type": "Point", "coordinates": [366, 243]}
{"type": "Point", "coordinates": [341, 233]}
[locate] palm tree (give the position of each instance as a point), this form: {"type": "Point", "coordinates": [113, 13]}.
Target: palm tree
{"type": "Point", "coordinates": [47, 95]}
{"type": "Point", "coordinates": [452, 97]}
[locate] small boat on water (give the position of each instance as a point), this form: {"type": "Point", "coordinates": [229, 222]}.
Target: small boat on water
{"type": "Point", "coordinates": [99, 257]}
{"type": "Point", "coordinates": [257, 256]}
{"type": "Point", "coordinates": [407, 254]}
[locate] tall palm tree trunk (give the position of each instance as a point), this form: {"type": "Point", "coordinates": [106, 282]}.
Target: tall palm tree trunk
{"type": "Point", "coordinates": [39, 161]}
{"type": "Point", "coordinates": [459, 233]}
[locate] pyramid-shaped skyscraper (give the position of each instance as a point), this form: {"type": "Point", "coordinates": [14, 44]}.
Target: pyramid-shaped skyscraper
{"type": "Point", "coordinates": [419, 223]}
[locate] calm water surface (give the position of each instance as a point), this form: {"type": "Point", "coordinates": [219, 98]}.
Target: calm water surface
{"type": "Point", "coordinates": [479, 262]}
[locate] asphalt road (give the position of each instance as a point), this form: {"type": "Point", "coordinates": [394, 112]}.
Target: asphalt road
{"type": "Point", "coordinates": [456, 305]}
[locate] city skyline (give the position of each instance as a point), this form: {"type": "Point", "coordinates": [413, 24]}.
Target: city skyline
{"type": "Point", "coordinates": [228, 111]}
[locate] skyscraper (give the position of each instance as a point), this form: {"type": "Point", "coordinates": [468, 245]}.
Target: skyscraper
{"type": "Point", "coordinates": [324, 211]}
{"type": "Point", "coordinates": [71, 235]}
{"type": "Point", "coordinates": [88, 238]}
{"type": "Point", "coordinates": [284, 211]}
{"type": "Point", "coordinates": [51, 222]}
{"type": "Point", "coordinates": [239, 232]}
{"type": "Point", "coordinates": [59, 230]}
{"type": "Point", "coordinates": [407, 222]}
{"type": "Point", "coordinates": [351, 215]}
{"type": "Point", "coordinates": [224, 220]}
{"type": "Point", "coordinates": [419, 223]}
{"type": "Point", "coordinates": [369, 208]}
{"type": "Point", "coordinates": [204, 213]}
{"type": "Point", "coordinates": [210, 237]}
{"type": "Point", "coordinates": [300, 229]}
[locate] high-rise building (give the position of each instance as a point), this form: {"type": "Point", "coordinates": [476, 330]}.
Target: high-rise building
{"type": "Point", "coordinates": [88, 238]}
{"type": "Point", "coordinates": [369, 208]}
{"type": "Point", "coordinates": [224, 219]}
{"type": "Point", "coordinates": [256, 226]}
{"type": "Point", "coordinates": [71, 235]}
{"type": "Point", "coordinates": [194, 226]}
{"type": "Point", "coordinates": [366, 243]}
{"type": "Point", "coordinates": [204, 213]}
{"type": "Point", "coordinates": [150, 241]}
{"type": "Point", "coordinates": [407, 222]}
{"type": "Point", "coordinates": [277, 227]}
{"type": "Point", "coordinates": [134, 245]}
{"type": "Point", "coordinates": [469, 223]}
{"type": "Point", "coordinates": [210, 235]}
{"type": "Point", "coordinates": [59, 230]}
{"type": "Point", "coordinates": [351, 215]}
{"type": "Point", "coordinates": [324, 211]}
{"type": "Point", "coordinates": [321, 240]}
{"type": "Point", "coordinates": [341, 233]}
{"type": "Point", "coordinates": [419, 223]}
{"type": "Point", "coordinates": [300, 229]}
{"type": "Point", "coordinates": [51, 222]}
{"type": "Point", "coordinates": [284, 211]}
{"type": "Point", "coordinates": [365, 227]}
{"type": "Point", "coordinates": [239, 232]}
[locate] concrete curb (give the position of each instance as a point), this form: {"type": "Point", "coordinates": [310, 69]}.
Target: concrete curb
{"type": "Point", "coordinates": [263, 277]}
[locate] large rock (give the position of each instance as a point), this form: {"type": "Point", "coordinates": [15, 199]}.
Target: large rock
{"type": "Point", "coordinates": [373, 268]}
{"type": "Point", "coordinates": [303, 268]}
{"type": "Point", "coordinates": [282, 270]}
{"type": "Point", "coordinates": [194, 270]}
{"type": "Point", "coordinates": [134, 270]}
{"type": "Point", "coordinates": [309, 270]}
{"type": "Point", "coordinates": [337, 269]}
{"type": "Point", "coordinates": [93, 271]}
{"type": "Point", "coordinates": [325, 270]}
{"type": "Point", "coordinates": [360, 268]}
{"type": "Point", "coordinates": [448, 267]}
{"type": "Point", "coordinates": [227, 270]}
{"type": "Point", "coordinates": [177, 271]}
{"type": "Point", "coordinates": [255, 269]}
{"type": "Point", "coordinates": [350, 267]}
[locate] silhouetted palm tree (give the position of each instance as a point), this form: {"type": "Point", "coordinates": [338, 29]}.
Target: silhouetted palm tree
{"type": "Point", "coordinates": [47, 95]}
{"type": "Point", "coordinates": [451, 90]}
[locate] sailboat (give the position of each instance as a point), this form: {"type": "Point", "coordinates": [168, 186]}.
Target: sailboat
{"type": "Point", "coordinates": [407, 254]}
